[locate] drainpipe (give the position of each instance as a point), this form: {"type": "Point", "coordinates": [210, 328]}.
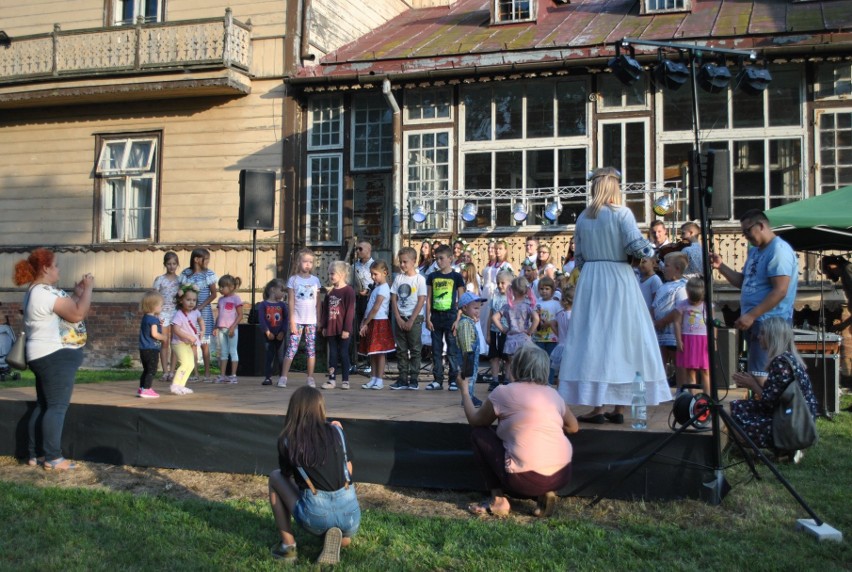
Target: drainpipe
{"type": "Point", "coordinates": [396, 189]}
{"type": "Point", "coordinates": [304, 47]}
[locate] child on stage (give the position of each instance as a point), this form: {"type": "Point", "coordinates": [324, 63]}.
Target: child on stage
{"type": "Point", "coordinates": [376, 337]}
{"type": "Point", "coordinates": [303, 290]}
{"type": "Point", "coordinates": [150, 338]}
{"type": "Point", "coordinates": [230, 315]}
{"type": "Point", "coordinates": [470, 341]}
{"type": "Point", "coordinates": [408, 301]}
{"type": "Point", "coordinates": [272, 319]}
{"type": "Point", "coordinates": [336, 322]}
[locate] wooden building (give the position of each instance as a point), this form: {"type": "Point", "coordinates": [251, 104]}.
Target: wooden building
{"type": "Point", "coordinates": [124, 125]}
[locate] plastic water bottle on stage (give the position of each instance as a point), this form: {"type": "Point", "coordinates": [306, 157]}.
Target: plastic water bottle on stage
{"type": "Point", "coordinates": [638, 409]}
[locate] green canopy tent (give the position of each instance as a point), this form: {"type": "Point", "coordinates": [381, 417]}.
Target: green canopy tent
{"type": "Point", "coordinates": [823, 222]}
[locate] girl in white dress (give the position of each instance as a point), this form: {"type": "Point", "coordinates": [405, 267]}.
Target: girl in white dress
{"type": "Point", "coordinates": [610, 336]}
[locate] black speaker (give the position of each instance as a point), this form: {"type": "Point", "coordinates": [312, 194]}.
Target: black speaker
{"type": "Point", "coordinates": [257, 200]}
{"type": "Point", "coordinates": [713, 169]}
{"type": "Point", "coordinates": [718, 182]}
{"type": "Point", "coordinates": [727, 347]}
{"type": "Point", "coordinates": [824, 371]}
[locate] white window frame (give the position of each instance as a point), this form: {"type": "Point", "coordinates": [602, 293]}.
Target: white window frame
{"type": "Point", "coordinates": [410, 96]}
{"type": "Point", "coordinates": [731, 134]}
{"type": "Point", "coordinates": [819, 84]}
{"type": "Point", "coordinates": [147, 169]}
{"type": "Point", "coordinates": [652, 6]}
{"type": "Point", "coordinates": [356, 125]}
{"type": "Point", "coordinates": [138, 10]}
{"type": "Point", "coordinates": [318, 120]}
{"type": "Point", "coordinates": [818, 147]}
{"type": "Point", "coordinates": [338, 213]}
{"type": "Point", "coordinates": [645, 84]}
{"type": "Point", "coordinates": [515, 7]}
{"type": "Point", "coordinates": [429, 203]}
{"type": "Point", "coordinates": [623, 121]}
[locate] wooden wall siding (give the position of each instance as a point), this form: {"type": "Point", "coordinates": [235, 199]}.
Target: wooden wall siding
{"type": "Point", "coordinates": [49, 156]}
{"type": "Point", "coordinates": [136, 270]}
{"type": "Point", "coordinates": [267, 58]}
{"type": "Point", "coordinates": [26, 17]}
{"type": "Point", "coordinates": [334, 23]}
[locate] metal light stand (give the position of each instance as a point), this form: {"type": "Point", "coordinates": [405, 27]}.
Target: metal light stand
{"type": "Point", "coordinates": [252, 317]}
{"type": "Point", "coordinates": [718, 485]}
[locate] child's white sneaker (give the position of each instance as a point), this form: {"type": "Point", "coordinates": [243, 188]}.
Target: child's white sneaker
{"type": "Point", "coordinates": [282, 381]}
{"type": "Point", "coordinates": [379, 384]}
{"type": "Point", "coordinates": [176, 389]}
{"type": "Point", "coordinates": [370, 384]}
{"type": "Point", "coordinates": [311, 382]}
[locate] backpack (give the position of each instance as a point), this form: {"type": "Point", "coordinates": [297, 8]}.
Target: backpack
{"type": "Point", "coordinates": [793, 426]}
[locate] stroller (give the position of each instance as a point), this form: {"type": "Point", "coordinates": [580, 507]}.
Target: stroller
{"type": "Point", "coordinates": [7, 340]}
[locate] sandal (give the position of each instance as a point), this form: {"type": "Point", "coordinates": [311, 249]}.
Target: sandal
{"type": "Point", "coordinates": [60, 464]}
{"type": "Point", "coordinates": [484, 509]}
{"type": "Point", "coordinates": [545, 504]}
{"type": "Point", "coordinates": [35, 461]}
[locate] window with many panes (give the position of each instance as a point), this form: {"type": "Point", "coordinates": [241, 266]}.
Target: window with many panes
{"type": "Point", "coordinates": [834, 81]}
{"type": "Point", "coordinates": [127, 12]}
{"type": "Point", "coordinates": [521, 140]}
{"type": "Point", "coordinates": [615, 96]}
{"type": "Point", "coordinates": [324, 224]}
{"type": "Point", "coordinates": [428, 105]}
{"type": "Point", "coordinates": [655, 6]}
{"type": "Point", "coordinates": [763, 133]}
{"type": "Point", "coordinates": [427, 177]}
{"type": "Point", "coordinates": [508, 11]}
{"type": "Point", "coordinates": [128, 177]}
{"type": "Point", "coordinates": [372, 133]}
{"type": "Point", "coordinates": [325, 123]}
{"type": "Point", "coordinates": [834, 149]}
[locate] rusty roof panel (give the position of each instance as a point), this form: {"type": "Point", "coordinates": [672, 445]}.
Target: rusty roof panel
{"type": "Point", "coordinates": [461, 36]}
{"type": "Point", "coordinates": [734, 17]}
{"type": "Point", "coordinates": [769, 17]}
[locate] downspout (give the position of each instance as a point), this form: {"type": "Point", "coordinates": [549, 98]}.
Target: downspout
{"type": "Point", "coordinates": [396, 188]}
{"type": "Point", "coordinates": [304, 44]}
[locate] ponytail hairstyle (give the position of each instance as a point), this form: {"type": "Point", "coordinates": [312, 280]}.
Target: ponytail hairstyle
{"type": "Point", "coordinates": [232, 281]}
{"type": "Point", "coordinates": [521, 289]}
{"type": "Point", "coordinates": [28, 269]}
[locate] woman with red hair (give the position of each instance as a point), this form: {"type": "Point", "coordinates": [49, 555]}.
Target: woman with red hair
{"type": "Point", "coordinates": [53, 322]}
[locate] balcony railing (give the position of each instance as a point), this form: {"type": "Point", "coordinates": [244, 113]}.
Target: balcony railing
{"type": "Point", "coordinates": [212, 42]}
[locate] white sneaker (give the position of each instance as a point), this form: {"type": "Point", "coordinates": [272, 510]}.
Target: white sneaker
{"type": "Point", "coordinates": [176, 389]}
{"type": "Point", "coordinates": [370, 385]}
{"type": "Point", "coordinates": [187, 391]}
{"type": "Point", "coordinates": [379, 384]}
{"type": "Point", "coordinates": [282, 381]}
{"type": "Point", "coordinates": [311, 382]}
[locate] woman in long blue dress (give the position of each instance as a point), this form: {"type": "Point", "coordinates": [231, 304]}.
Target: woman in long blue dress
{"type": "Point", "coordinates": [611, 336]}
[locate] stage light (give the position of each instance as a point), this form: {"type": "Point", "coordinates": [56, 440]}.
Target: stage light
{"type": "Point", "coordinates": [519, 213]}
{"type": "Point", "coordinates": [468, 212]}
{"type": "Point", "coordinates": [663, 205]}
{"type": "Point", "coordinates": [625, 68]}
{"type": "Point", "coordinates": [552, 210]}
{"type": "Point", "coordinates": [754, 80]}
{"type": "Point", "coordinates": [672, 75]}
{"type": "Point", "coordinates": [418, 214]}
{"type": "Point", "coordinates": [714, 78]}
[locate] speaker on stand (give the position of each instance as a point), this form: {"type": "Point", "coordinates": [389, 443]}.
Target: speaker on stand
{"type": "Point", "coordinates": [257, 212]}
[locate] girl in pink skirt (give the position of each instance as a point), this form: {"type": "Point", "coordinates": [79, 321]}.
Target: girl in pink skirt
{"type": "Point", "coordinates": [691, 335]}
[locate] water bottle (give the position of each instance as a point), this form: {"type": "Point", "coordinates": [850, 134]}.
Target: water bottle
{"type": "Point", "coordinates": [638, 409]}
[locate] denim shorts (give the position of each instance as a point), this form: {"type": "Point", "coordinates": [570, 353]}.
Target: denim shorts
{"type": "Point", "coordinates": [327, 509]}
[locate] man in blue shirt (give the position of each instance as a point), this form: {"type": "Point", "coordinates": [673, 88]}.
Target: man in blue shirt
{"type": "Point", "coordinates": [768, 283]}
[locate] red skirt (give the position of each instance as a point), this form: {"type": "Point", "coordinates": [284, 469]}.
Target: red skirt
{"type": "Point", "coordinates": [379, 338]}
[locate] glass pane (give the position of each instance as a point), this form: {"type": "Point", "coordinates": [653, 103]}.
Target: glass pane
{"type": "Point", "coordinates": [610, 90]}
{"type": "Point", "coordinates": [747, 109]}
{"type": "Point", "coordinates": [152, 10]}
{"type": "Point", "coordinates": [611, 145]}
{"type": "Point", "coordinates": [508, 109]}
{"type": "Point", "coordinates": [112, 156]}
{"type": "Point", "coordinates": [140, 152]}
{"type": "Point", "coordinates": [675, 169]}
{"type": "Point", "coordinates": [540, 174]}
{"type": "Point", "coordinates": [573, 169]}
{"type": "Point", "coordinates": [785, 98]}
{"type": "Point", "coordinates": [540, 111]}
{"type": "Point", "coordinates": [634, 168]}
{"type": "Point", "coordinates": [477, 114]}
{"type": "Point", "coordinates": [508, 174]}
{"type": "Point", "coordinates": [785, 171]}
{"type": "Point", "coordinates": [712, 109]}
{"type": "Point", "coordinates": [677, 110]}
{"type": "Point", "coordinates": [571, 101]}
{"type": "Point", "coordinates": [749, 176]}
{"type": "Point", "coordinates": [477, 175]}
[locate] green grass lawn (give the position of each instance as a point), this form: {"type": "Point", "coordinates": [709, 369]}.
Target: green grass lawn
{"type": "Point", "coordinates": [83, 376]}
{"type": "Point", "coordinates": [60, 528]}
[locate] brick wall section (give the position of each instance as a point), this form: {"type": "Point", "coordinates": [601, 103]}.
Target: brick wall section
{"type": "Point", "coordinates": [113, 332]}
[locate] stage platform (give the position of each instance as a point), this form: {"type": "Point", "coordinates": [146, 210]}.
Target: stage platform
{"type": "Point", "coordinates": [400, 438]}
